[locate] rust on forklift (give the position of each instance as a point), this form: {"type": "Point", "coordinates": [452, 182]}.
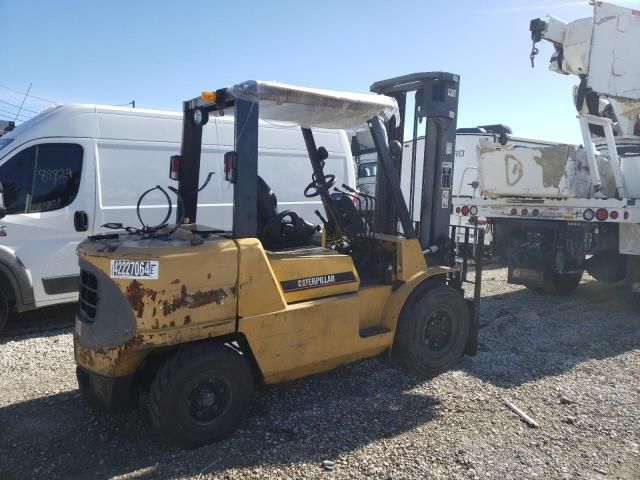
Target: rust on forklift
{"type": "Point", "coordinates": [136, 294]}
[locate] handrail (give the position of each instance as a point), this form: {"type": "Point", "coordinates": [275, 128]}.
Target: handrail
{"type": "Point", "coordinates": [464, 172]}
{"type": "Point", "coordinates": [606, 123]}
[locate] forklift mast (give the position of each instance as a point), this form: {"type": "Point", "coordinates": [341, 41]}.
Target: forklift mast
{"type": "Point", "coordinates": [436, 100]}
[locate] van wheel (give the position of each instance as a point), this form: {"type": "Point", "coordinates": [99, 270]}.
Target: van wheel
{"type": "Point", "coordinates": [432, 332]}
{"type": "Point", "coordinates": [4, 311]}
{"type": "Point", "coordinates": [561, 283]}
{"type": "Point", "coordinates": [201, 394]}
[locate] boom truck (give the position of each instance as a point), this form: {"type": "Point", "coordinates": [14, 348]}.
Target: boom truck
{"type": "Point", "coordinates": [560, 210]}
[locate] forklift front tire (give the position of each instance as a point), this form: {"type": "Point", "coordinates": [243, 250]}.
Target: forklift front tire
{"type": "Point", "coordinates": [201, 394]}
{"type": "Point", "coordinates": [432, 332]}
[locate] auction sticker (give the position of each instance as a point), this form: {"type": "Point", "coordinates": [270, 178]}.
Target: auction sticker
{"type": "Point", "coordinates": [135, 269]}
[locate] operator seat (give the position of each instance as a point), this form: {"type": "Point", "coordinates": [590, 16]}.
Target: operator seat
{"type": "Point", "coordinates": [279, 229]}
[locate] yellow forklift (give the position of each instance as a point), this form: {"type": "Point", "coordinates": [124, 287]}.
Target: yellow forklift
{"type": "Point", "coordinates": [199, 316]}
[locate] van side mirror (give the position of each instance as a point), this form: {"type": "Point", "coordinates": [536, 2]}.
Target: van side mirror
{"type": "Point", "coordinates": [3, 210]}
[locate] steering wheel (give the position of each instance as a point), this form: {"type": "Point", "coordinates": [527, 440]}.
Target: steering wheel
{"type": "Point", "coordinates": [315, 188]}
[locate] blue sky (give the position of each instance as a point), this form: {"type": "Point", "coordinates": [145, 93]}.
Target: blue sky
{"type": "Point", "coordinates": [160, 53]}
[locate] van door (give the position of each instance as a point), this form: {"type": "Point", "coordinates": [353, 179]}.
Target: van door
{"type": "Point", "coordinates": [49, 188]}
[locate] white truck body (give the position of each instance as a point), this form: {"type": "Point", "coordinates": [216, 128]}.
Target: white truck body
{"type": "Point", "coordinates": [559, 171]}
{"type": "Point", "coordinates": [559, 210]}
{"type": "Point", "coordinates": [465, 172]}
{"type": "Point", "coordinates": [93, 162]}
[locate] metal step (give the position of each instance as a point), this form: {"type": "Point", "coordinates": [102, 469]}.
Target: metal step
{"type": "Point", "coordinates": [373, 331]}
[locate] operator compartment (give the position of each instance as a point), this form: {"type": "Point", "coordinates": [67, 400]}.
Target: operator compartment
{"type": "Point", "coordinates": [131, 286]}
{"type": "Point", "coordinates": [313, 272]}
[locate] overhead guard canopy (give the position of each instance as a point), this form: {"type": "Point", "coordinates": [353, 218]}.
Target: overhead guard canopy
{"type": "Point", "coordinates": [314, 107]}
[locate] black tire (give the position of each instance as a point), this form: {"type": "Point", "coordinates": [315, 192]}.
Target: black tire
{"type": "Point", "coordinates": [4, 311]}
{"type": "Point", "coordinates": [561, 283]}
{"type": "Point", "coordinates": [209, 381]}
{"type": "Point", "coordinates": [432, 331]}
{"type": "Point", "coordinates": [607, 266]}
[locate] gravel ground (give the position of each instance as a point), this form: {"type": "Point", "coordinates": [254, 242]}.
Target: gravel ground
{"type": "Point", "coordinates": [571, 363]}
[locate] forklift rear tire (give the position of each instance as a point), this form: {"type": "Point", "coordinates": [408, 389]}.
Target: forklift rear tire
{"type": "Point", "coordinates": [201, 394]}
{"type": "Point", "coordinates": [561, 283]}
{"type": "Point", "coordinates": [432, 332]}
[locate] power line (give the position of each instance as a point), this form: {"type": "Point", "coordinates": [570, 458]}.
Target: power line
{"type": "Point", "coordinates": [10, 112]}
{"type": "Point", "coordinates": [8, 117]}
{"type": "Point", "coordinates": [14, 113]}
{"type": "Point", "coordinates": [18, 106]}
{"type": "Point", "coordinates": [23, 100]}
{"type": "Point", "coordinates": [27, 95]}
{"type": "Point", "coordinates": [30, 96]}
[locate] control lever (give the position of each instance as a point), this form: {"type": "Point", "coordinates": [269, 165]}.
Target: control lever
{"type": "Point", "coordinates": [368, 200]}
{"type": "Point", "coordinates": [352, 190]}
{"type": "Point", "coordinates": [353, 197]}
{"type": "Point", "coordinates": [357, 194]}
{"type": "Point", "coordinates": [356, 198]}
{"type": "Point", "coordinates": [322, 219]}
{"type": "Point", "coordinates": [366, 196]}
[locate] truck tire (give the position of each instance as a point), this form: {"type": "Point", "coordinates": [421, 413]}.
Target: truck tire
{"type": "Point", "coordinates": [561, 283]}
{"type": "Point", "coordinates": [201, 394]}
{"type": "Point", "coordinates": [432, 332]}
{"type": "Point", "coordinates": [4, 310]}
{"type": "Point", "coordinates": [607, 266]}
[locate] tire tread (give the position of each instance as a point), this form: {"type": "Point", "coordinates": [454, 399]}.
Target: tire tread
{"type": "Point", "coordinates": [170, 368]}
{"type": "Point", "coordinates": [402, 352]}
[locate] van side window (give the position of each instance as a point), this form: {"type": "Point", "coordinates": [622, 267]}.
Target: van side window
{"type": "Point", "coordinates": [16, 176]}
{"type": "Point", "coordinates": [57, 176]}
{"type": "Point", "coordinates": [42, 178]}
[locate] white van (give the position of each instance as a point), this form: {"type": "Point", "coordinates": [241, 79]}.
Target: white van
{"type": "Point", "coordinates": [74, 168]}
